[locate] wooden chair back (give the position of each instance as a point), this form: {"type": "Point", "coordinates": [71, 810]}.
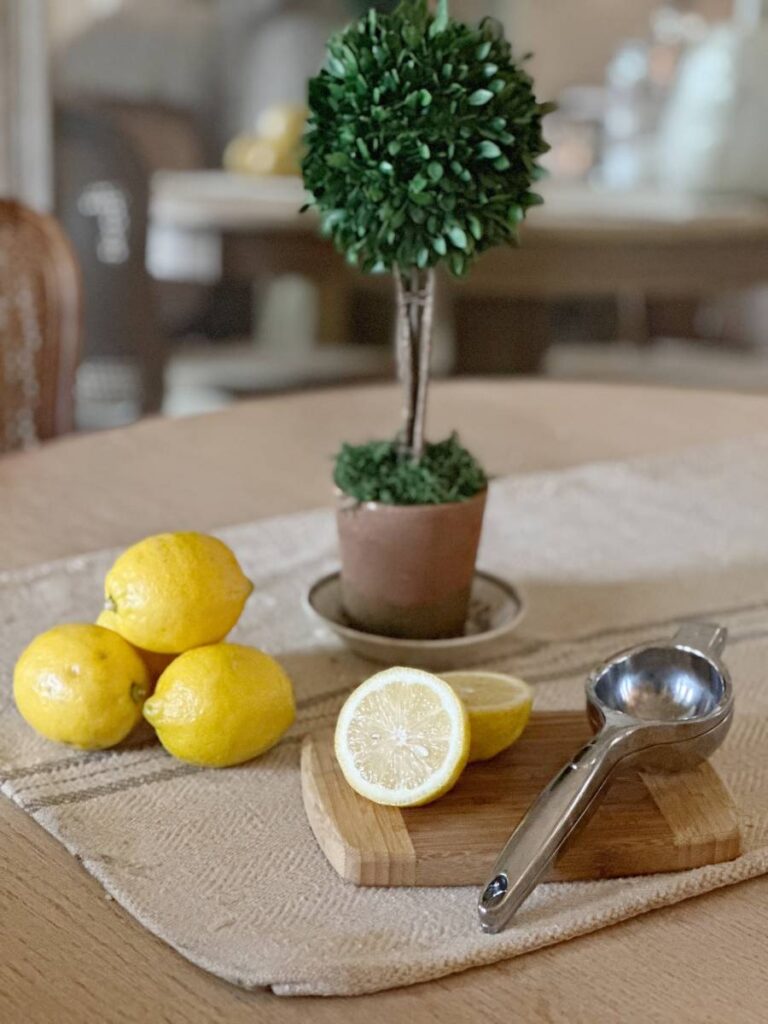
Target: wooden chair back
{"type": "Point", "coordinates": [40, 327]}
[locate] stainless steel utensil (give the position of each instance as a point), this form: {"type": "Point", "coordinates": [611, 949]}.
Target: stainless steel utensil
{"type": "Point", "coordinates": [665, 705]}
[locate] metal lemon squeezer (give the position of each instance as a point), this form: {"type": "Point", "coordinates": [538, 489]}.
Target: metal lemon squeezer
{"type": "Point", "coordinates": [665, 705]}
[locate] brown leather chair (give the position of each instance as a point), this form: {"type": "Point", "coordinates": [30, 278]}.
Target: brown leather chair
{"type": "Point", "coordinates": [40, 327]}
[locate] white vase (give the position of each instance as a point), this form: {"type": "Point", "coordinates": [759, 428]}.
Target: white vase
{"type": "Point", "coordinates": [714, 135]}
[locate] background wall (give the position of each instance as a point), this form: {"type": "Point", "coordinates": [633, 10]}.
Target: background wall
{"type": "Point", "coordinates": [571, 40]}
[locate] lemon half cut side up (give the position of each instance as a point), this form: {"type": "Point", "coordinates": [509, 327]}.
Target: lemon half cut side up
{"type": "Point", "coordinates": [402, 738]}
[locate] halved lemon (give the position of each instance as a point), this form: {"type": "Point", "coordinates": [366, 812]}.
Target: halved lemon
{"type": "Point", "coordinates": [499, 707]}
{"type": "Point", "coordinates": [402, 738]}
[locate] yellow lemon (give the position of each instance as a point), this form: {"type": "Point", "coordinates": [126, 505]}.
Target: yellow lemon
{"type": "Point", "coordinates": [499, 707]}
{"type": "Point", "coordinates": [221, 705]}
{"type": "Point", "coordinates": [175, 591]}
{"type": "Point", "coordinates": [156, 663]}
{"type": "Point", "coordinates": [81, 684]}
{"type": "Point", "coordinates": [402, 738]}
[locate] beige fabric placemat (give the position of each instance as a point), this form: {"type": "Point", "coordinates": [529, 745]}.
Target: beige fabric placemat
{"type": "Point", "coordinates": [222, 864]}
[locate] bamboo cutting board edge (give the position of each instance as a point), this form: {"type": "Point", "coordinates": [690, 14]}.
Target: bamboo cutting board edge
{"type": "Point", "coordinates": [685, 820]}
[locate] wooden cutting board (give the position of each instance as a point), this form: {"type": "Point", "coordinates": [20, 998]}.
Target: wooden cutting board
{"type": "Point", "coordinates": [646, 823]}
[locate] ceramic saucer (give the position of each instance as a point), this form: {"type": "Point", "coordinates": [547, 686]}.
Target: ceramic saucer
{"type": "Point", "coordinates": [496, 609]}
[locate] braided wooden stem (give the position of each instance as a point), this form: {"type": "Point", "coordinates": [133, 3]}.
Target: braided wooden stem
{"type": "Point", "coordinates": [415, 317]}
{"type": "Point", "coordinates": [405, 369]}
{"type": "Point", "coordinates": [427, 311]}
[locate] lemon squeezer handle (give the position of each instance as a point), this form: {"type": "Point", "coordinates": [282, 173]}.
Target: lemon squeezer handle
{"type": "Point", "coordinates": [566, 803]}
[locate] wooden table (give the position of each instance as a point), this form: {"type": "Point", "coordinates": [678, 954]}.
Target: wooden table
{"type": "Point", "coordinates": [584, 241]}
{"type": "Point", "coordinates": [70, 956]}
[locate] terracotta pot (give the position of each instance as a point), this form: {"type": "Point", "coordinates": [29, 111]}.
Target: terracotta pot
{"type": "Point", "coordinates": [407, 570]}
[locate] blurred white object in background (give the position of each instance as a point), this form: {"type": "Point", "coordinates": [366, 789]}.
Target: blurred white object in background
{"type": "Point", "coordinates": [714, 135]}
{"type": "Point", "coordinates": [638, 84]}
{"type": "Point", "coordinates": [631, 115]}
{"type": "Point", "coordinates": [574, 132]}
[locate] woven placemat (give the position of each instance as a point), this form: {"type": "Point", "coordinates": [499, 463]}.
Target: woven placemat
{"type": "Point", "coordinates": [222, 864]}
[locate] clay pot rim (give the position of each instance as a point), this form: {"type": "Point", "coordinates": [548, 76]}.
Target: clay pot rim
{"type": "Point", "coordinates": [347, 501]}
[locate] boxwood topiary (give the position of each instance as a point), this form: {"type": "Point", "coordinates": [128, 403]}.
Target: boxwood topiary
{"type": "Point", "coordinates": [423, 139]}
{"type": "Point", "coordinates": [422, 147]}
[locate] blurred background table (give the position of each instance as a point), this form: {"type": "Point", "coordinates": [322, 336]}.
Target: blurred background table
{"type": "Point", "coordinates": [149, 97]}
{"type": "Point", "coordinates": [584, 241]}
{"type": "Point", "coordinates": [72, 956]}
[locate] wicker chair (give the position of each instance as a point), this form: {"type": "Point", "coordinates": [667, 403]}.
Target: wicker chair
{"type": "Point", "coordinates": [40, 327]}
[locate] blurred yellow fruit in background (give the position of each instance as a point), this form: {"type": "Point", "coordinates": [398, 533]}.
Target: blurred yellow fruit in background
{"type": "Point", "coordinates": [175, 591]}
{"type": "Point", "coordinates": [221, 705]}
{"type": "Point", "coordinates": [81, 684]}
{"type": "Point", "coordinates": [275, 148]}
{"type": "Point", "coordinates": [283, 122]}
{"type": "Point", "coordinates": [250, 155]}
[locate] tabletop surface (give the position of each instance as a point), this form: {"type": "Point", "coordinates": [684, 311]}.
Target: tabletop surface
{"type": "Point", "coordinates": [69, 954]}
{"type": "Point", "coordinates": [223, 201]}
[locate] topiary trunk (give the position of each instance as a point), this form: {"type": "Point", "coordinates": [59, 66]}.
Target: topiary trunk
{"type": "Point", "coordinates": [415, 315]}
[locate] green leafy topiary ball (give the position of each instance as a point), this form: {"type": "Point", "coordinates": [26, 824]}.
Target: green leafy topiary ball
{"type": "Point", "coordinates": [422, 140]}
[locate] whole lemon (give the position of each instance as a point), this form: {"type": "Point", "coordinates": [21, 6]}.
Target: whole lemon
{"type": "Point", "coordinates": [81, 684]}
{"type": "Point", "coordinates": [175, 591]}
{"type": "Point", "coordinates": [156, 663]}
{"type": "Point", "coordinates": [221, 705]}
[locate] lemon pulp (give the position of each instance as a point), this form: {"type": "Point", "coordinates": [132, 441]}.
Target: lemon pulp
{"type": "Point", "coordinates": [402, 738]}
